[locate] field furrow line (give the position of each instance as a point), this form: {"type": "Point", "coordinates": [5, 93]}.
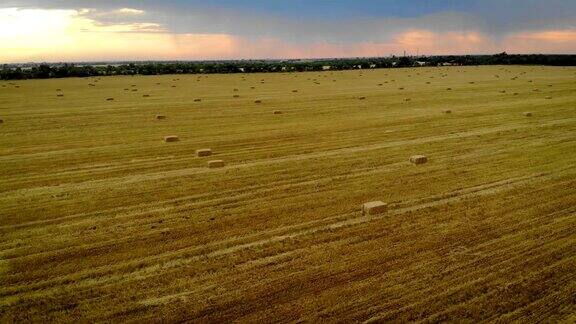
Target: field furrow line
{"type": "Point", "coordinates": [261, 193]}
{"type": "Point", "coordinates": [473, 279]}
{"type": "Point", "coordinates": [163, 205]}
{"type": "Point", "coordinates": [184, 256]}
{"type": "Point", "coordinates": [117, 181]}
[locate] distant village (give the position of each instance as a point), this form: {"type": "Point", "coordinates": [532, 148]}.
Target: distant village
{"type": "Point", "coordinates": [87, 69]}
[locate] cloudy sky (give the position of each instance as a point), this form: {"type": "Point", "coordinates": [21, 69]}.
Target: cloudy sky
{"type": "Point", "coordinates": [81, 30]}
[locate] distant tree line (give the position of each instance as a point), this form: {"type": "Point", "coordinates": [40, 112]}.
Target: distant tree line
{"type": "Point", "coordinates": [64, 70]}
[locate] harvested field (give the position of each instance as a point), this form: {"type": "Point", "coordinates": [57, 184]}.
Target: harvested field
{"type": "Point", "coordinates": [102, 221]}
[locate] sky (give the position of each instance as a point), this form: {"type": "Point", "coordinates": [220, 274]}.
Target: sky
{"type": "Point", "coordinates": [105, 30]}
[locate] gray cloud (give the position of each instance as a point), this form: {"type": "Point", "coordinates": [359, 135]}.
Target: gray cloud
{"type": "Point", "coordinates": [496, 18]}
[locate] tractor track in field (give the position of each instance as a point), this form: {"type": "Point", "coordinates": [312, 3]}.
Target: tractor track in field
{"type": "Point", "coordinates": [502, 259]}
{"type": "Point", "coordinates": [119, 181]}
{"type": "Point", "coordinates": [254, 190]}
{"type": "Point", "coordinates": [178, 258]}
{"type": "Point", "coordinates": [77, 222]}
{"type": "Point", "coordinates": [504, 262]}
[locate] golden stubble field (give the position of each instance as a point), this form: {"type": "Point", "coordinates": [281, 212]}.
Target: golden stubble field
{"type": "Point", "coordinates": [101, 220]}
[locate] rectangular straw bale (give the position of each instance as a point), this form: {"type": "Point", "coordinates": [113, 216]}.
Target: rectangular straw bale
{"type": "Point", "coordinates": [216, 164]}
{"type": "Point", "coordinates": [171, 138]}
{"type": "Point", "coordinates": [418, 159]}
{"type": "Point", "coordinates": [203, 152]}
{"type": "Point", "coordinates": [374, 208]}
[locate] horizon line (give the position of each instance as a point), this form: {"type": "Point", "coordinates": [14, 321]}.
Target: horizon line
{"type": "Point", "coordinates": [272, 59]}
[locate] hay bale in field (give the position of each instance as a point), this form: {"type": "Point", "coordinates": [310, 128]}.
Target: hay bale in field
{"type": "Point", "coordinates": [173, 86]}
{"type": "Point", "coordinates": [1, 121]}
{"type": "Point", "coordinates": [58, 90]}
{"type": "Point", "coordinates": [380, 84]}
{"type": "Point", "coordinates": [109, 99]}
{"type": "Point", "coordinates": [447, 111]}
{"type": "Point", "coordinates": [126, 89]}
{"type": "Point", "coordinates": [134, 90]}
{"type": "Point", "coordinates": [171, 138]}
{"type": "Point", "coordinates": [401, 88]}
{"type": "Point", "coordinates": [548, 98]}
{"type": "Point", "coordinates": [362, 98]}
{"type": "Point", "coordinates": [407, 99]}
{"type": "Point", "coordinates": [374, 208]}
{"type": "Point", "coordinates": [133, 85]}
{"type": "Point", "coordinates": [528, 114]}
{"type": "Point", "coordinates": [236, 96]}
{"type": "Point", "coordinates": [502, 91]}
{"type": "Point", "coordinates": [146, 96]}
{"type": "Point", "coordinates": [203, 152]}
{"type": "Point", "coordinates": [197, 100]}
{"type": "Point", "coordinates": [515, 94]}
{"type": "Point", "coordinates": [277, 112]}
{"type": "Point", "coordinates": [60, 95]}
{"type": "Point", "coordinates": [252, 88]}
{"type": "Point", "coordinates": [448, 89]}
{"type": "Point", "coordinates": [236, 90]}
{"type": "Point", "coordinates": [418, 159]}
{"type": "Point", "coordinates": [294, 91]}
{"type": "Point", "coordinates": [258, 101]}
{"type": "Point", "coordinates": [216, 164]}
{"type": "Point", "coordinates": [160, 117]}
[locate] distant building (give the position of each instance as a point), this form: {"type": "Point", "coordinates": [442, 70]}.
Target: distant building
{"type": "Point", "coordinates": [326, 67]}
{"type": "Point", "coordinates": [420, 63]}
{"type": "Point", "coordinates": [241, 69]}
{"type": "Point", "coordinates": [449, 64]}
{"type": "Point", "coordinates": [372, 66]}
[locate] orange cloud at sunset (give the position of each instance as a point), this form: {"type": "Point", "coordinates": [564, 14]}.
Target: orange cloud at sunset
{"type": "Point", "coordinates": [550, 41]}
{"type": "Point", "coordinates": [553, 36]}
